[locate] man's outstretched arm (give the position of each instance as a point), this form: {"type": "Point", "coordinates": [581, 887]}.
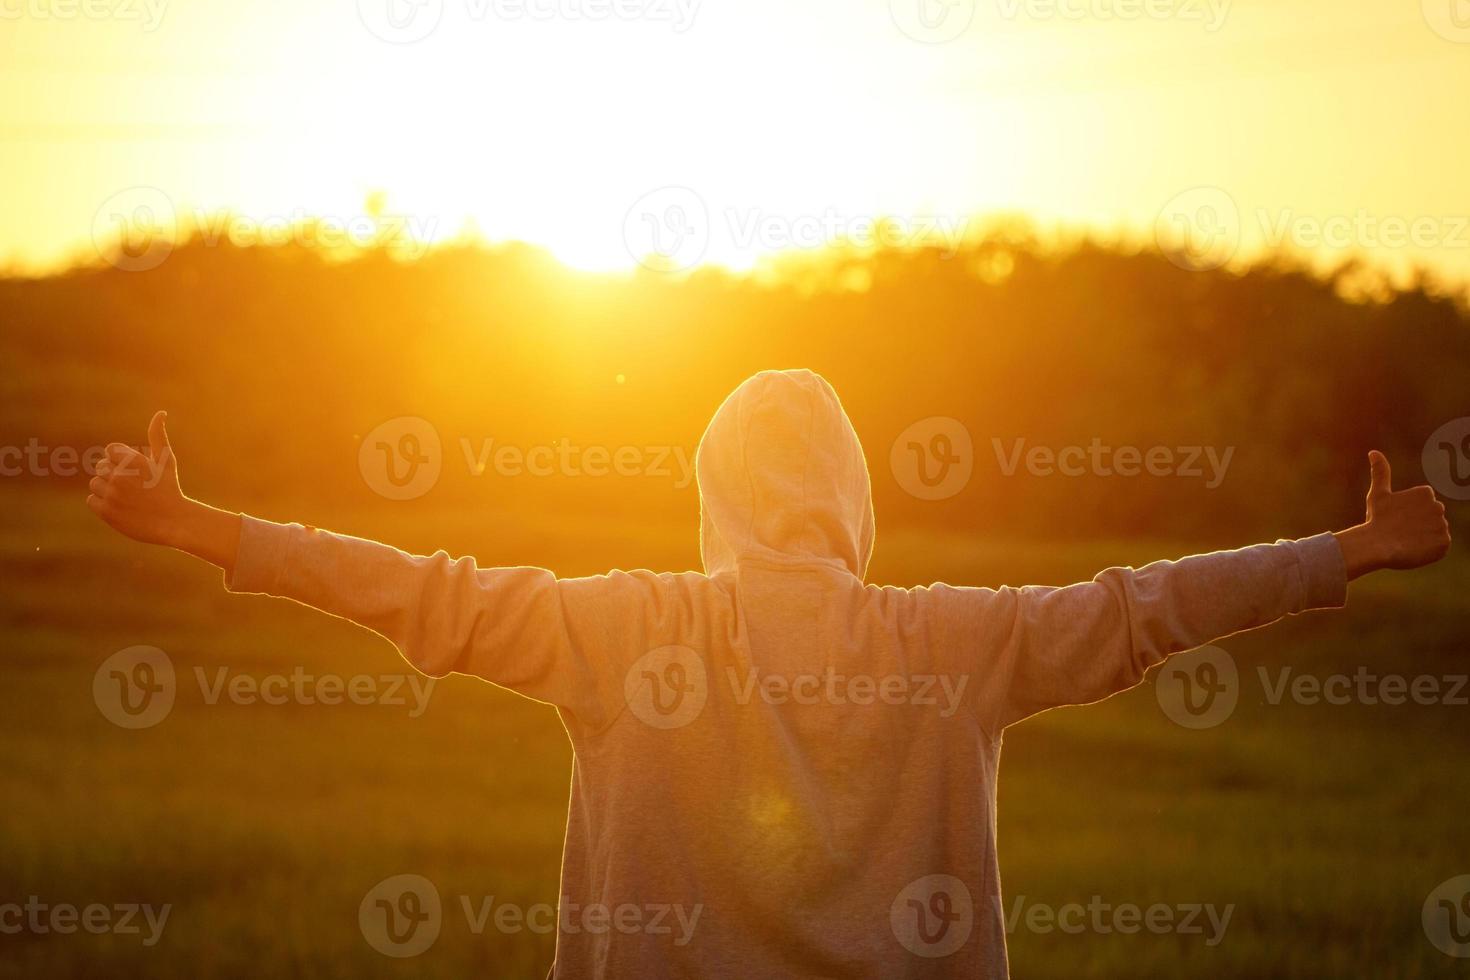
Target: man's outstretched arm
{"type": "Point", "coordinates": [1084, 642]}
{"type": "Point", "coordinates": [506, 625]}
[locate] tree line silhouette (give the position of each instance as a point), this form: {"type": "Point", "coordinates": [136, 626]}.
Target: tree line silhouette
{"type": "Point", "coordinates": [276, 362]}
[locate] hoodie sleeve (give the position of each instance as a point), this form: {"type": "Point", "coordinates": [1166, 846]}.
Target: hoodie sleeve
{"type": "Point", "coordinates": [1085, 642]}
{"type": "Point", "coordinates": [552, 640]}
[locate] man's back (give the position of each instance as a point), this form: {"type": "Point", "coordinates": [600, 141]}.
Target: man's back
{"type": "Point", "coordinates": [787, 739]}
{"type": "Point", "coordinates": [801, 770]}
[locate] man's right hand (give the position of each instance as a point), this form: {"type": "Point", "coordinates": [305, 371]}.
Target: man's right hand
{"type": "Point", "coordinates": [1404, 529]}
{"type": "Point", "coordinates": [138, 494]}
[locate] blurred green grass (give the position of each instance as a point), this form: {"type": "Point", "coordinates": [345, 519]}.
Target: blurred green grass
{"type": "Point", "coordinates": [263, 826]}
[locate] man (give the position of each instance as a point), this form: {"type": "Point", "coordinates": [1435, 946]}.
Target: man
{"type": "Point", "coordinates": [797, 767]}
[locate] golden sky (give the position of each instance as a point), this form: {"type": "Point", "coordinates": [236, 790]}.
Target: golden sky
{"type": "Point", "coordinates": [607, 128]}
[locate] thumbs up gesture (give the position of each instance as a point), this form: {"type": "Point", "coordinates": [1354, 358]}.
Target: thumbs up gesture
{"type": "Point", "coordinates": [1405, 528]}
{"type": "Point", "coordinates": [137, 492]}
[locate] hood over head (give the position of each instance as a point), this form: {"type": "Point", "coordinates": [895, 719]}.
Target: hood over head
{"type": "Point", "coordinates": [782, 478]}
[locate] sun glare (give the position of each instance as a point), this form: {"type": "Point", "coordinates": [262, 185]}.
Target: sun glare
{"type": "Point", "coordinates": [701, 133]}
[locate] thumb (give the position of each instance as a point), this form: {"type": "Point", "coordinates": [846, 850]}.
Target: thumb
{"type": "Point", "coordinates": [1382, 475]}
{"type": "Point", "coordinates": [158, 436]}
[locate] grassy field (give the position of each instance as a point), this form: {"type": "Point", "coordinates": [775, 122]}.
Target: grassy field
{"type": "Point", "coordinates": [262, 826]}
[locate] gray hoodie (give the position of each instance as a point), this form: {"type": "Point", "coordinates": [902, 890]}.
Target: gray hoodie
{"type": "Point", "coordinates": [781, 770]}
